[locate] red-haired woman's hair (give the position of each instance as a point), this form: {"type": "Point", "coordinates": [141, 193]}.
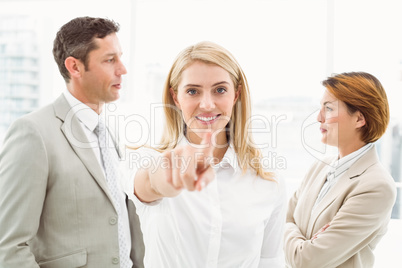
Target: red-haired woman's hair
{"type": "Point", "coordinates": [362, 92]}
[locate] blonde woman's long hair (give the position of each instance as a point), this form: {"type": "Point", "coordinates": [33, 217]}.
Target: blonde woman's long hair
{"type": "Point", "coordinates": [211, 53]}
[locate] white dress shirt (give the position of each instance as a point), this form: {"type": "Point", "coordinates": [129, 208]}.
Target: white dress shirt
{"type": "Point", "coordinates": [236, 221]}
{"type": "Point", "coordinates": [338, 167]}
{"type": "Point", "coordinates": [88, 119]}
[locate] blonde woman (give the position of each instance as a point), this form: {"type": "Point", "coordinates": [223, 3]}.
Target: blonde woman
{"type": "Point", "coordinates": [207, 201]}
{"type": "Point", "coordinates": [341, 210]}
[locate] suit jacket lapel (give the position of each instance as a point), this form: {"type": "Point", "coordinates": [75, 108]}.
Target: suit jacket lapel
{"type": "Point", "coordinates": [75, 135]}
{"type": "Point", "coordinates": [336, 190]}
{"type": "Point", "coordinates": [314, 189]}
{"type": "Point", "coordinates": [361, 165]}
{"type": "Point", "coordinates": [344, 181]}
{"type": "Point", "coordinates": [313, 192]}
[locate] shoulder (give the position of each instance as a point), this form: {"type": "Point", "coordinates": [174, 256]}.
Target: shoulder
{"type": "Point", "coordinates": [34, 128]}
{"type": "Point", "coordinates": [376, 176]}
{"type": "Point", "coordinates": [27, 134]}
{"type": "Point", "coordinates": [29, 125]}
{"type": "Point", "coordinates": [38, 119]}
{"type": "Point", "coordinates": [277, 181]}
{"type": "Point", "coordinates": [273, 190]}
{"type": "Point", "coordinates": [373, 181]}
{"type": "Point", "coordinates": [370, 171]}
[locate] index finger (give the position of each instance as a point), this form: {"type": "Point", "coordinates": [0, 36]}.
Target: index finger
{"type": "Point", "coordinates": [208, 149]}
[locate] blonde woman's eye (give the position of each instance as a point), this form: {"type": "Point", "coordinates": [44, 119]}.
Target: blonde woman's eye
{"type": "Point", "coordinates": [191, 91]}
{"type": "Point", "coordinates": [221, 90]}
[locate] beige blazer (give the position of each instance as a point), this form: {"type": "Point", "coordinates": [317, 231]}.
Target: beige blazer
{"type": "Point", "coordinates": [55, 208]}
{"type": "Point", "coordinates": [358, 208]}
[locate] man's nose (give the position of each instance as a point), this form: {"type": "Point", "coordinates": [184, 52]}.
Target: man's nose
{"type": "Point", "coordinates": [121, 69]}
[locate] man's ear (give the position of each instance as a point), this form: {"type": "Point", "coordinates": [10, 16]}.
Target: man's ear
{"type": "Point", "coordinates": [361, 120]}
{"type": "Point", "coordinates": [74, 66]}
{"type": "Point", "coordinates": [174, 96]}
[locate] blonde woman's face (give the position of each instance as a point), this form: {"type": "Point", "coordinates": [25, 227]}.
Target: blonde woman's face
{"type": "Point", "coordinates": [206, 96]}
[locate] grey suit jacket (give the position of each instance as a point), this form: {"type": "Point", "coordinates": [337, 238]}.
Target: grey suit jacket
{"type": "Point", "coordinates": [55, 208]}
{"type": "Point", "coordinates": [358, 208]}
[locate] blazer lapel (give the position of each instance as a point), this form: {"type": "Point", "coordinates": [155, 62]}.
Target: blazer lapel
{"type": "Point", "coordinates": [75, 135]}
{"type": "Point", "coordinates": [313, 190]}
{"type": "Point", "coordinates": [344, 181]}
{"type": "Point", "coordinates": [361, 165]}
{"type": "Point", "coordinates": [336, 190]}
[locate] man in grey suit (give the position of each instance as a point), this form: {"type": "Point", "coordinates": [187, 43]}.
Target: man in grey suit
{"type": "Point", "coordinates": [59, 205]}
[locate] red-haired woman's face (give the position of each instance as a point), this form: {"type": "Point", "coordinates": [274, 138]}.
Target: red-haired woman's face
{"type": "Point", "coordinates": [338, 127]}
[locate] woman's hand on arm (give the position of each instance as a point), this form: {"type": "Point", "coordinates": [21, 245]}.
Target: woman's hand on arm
{"type": "Point", "coordinates": [315, 236]}
{"type": "Point", "coordinates": [353, 227]}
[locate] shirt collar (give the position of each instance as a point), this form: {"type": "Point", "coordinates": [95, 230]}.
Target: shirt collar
{"type": "Point", "coordinates": [229, 160]}
{"type": "Point", "coordinates": [84, 113]}
{"type": "Point", "coordinates": [339, 166]}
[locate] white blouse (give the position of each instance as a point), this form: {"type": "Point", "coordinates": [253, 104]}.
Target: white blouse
{"type": "Point", "coordinates": [235, 221]}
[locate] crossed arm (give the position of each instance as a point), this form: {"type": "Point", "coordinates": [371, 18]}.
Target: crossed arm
{"type": "Point", "coordinates": [355, 225]}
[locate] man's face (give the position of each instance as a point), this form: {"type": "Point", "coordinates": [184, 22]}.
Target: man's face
{"type": "Point", "coordinates": [101, 81]}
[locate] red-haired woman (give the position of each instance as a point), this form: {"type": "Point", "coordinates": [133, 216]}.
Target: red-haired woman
{"type": "Point", "coordinates": [341, 210]}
